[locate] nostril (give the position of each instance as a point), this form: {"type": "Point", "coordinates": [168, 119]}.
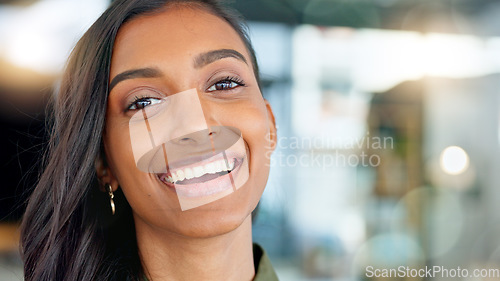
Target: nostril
{"type": "Point", "coordinates": [211, 133]}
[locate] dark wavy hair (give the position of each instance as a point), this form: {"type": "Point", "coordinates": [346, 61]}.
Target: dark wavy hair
{"type": "Point", "coordinates": [68, 232]}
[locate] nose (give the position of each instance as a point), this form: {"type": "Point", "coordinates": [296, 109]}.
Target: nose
{"type": "Point", "coordinates": [201, 137]}
{"type": "Point", "coordinates": [194, 119]}
{"type": "Point", "coordinates": [181, 115]}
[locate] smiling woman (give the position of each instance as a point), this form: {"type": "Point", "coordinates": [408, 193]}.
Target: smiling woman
{"type": "Point", "coordinates": [158, 152]}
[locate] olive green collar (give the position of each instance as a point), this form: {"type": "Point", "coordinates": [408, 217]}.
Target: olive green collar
{"type": "Point", "coordinates": [264, 270]}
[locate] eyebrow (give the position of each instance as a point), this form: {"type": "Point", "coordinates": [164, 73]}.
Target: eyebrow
{"type": "Point", "coordinates": [200, 60]}
{"type": "Point", "coordinates": [211, 56]}
{"type": "Point", "coordinates": [148, 72]}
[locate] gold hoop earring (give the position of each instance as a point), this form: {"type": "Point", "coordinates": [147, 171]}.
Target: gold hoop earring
{"type": "Point", "coordinates": [109, 189]}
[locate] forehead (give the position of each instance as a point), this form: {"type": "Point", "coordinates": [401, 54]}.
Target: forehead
{"type": "Point", "coordinates": [170, 37]}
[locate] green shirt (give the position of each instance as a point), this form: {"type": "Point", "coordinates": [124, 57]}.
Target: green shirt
{"type": "Point", "coordinates": [264, 271]}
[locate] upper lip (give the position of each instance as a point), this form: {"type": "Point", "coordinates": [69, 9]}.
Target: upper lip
{"type": "Point", "coordinates": [192, 159]}
{"type": "Point", "coordinates": [173, 153]}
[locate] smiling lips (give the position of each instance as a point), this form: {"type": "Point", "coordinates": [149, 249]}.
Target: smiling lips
{"type": "Point", "coordinates": [180, 176]}
{"type": "Point", "coordinates": [203, 178]}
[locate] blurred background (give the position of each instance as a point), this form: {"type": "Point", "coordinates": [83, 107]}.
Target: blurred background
{"type": "Point", "coordinates": [389, 132]}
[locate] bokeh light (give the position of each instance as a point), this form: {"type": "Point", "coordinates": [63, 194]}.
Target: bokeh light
{"type": "Point", "coordinates": [454, 160]}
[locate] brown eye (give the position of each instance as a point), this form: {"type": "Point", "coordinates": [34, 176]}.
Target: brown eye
{"type": "Point", "coordinates": [141, 103]}
{"type": "Point", "coordinates": [226, 84]}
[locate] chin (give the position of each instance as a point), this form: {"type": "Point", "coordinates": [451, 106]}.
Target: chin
{"type": "Point", "coordinates": [219, 217]}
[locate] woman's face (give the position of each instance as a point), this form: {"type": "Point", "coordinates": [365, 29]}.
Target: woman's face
{"type": "Point", "coordinates": [172, 46]}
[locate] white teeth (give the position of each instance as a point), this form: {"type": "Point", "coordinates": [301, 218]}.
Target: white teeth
{"type": "Point", "coordinates": [210, 168]}
{"type": "Point", "coordinates": [180, 175]}
{"type": "Point", "coordinates": [189, 173]}
{"type": "Point", "coordinates": [198, 171]}
{"type": "Point", "coordinates": [218, 166]}
{"type": "Point", "coordinates": [224, 165]}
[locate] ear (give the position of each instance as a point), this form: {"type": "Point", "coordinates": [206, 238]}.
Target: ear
{"type": "Point", "coordinates": [104, 174]}
{"type": "Point", "coordinates": [272, 135]}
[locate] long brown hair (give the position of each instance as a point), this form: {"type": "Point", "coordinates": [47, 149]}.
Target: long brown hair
{"type": "Point", "coordinates": [68, 232]}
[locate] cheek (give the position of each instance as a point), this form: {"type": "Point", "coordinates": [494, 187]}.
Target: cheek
{"type": "Point", "coordinates": [121, 161]}
{"type": "Point", "coordinates": [117, 147]}
{"type": "Point", "coordinates": [140, 189]}
{"type": "Point", "coordinates": [254, 125]}
{"type": "Point", "coordinates": [255, 128]}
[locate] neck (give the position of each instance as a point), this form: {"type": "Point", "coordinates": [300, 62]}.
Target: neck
{"type": "Point", "coordinates": [170, 256]}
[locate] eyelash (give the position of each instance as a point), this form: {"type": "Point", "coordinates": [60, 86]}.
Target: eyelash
{"type": "Point", "coordinates": [229, 79]}
{"type": "Point", "coordinates": [154, 100]}
{"type": "Point", "coordinates": [137, 99]}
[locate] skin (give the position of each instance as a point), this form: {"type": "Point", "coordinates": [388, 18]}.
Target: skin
{"type": "Point", "coordinates": [213, 241]}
